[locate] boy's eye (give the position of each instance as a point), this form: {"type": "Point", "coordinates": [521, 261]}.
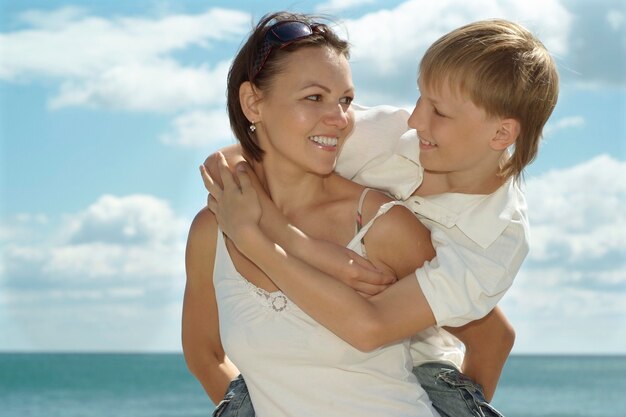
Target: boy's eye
{"type": "Point", "coordinates": [437, 112]}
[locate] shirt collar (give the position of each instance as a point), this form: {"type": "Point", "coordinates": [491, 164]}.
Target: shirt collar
{"type": "Point", "coordinates": [407, 152]}
{"type": "Point", "coordinates": [482, 218]}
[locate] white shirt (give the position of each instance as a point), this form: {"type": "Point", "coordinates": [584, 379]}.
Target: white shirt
{"type": "Point", "coordinates": [480, 243]}
{"type": "Point", "coordinates": [480, 240]}
{"type": "Point", "coordinates": [381, 153]}
{"type": "Point", "coordinates": [295, 367]}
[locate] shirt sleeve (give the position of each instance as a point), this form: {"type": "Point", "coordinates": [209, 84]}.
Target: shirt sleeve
{"type": "Point", "coordinates": [381, 152]}
{"type": "Point", "coordinates": [464, 281]}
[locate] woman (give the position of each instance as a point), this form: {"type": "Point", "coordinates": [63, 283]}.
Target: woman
{"type": "Point", "coordinates": [289, 95]}
{"type": "Point", "coordinates": [485, 87]}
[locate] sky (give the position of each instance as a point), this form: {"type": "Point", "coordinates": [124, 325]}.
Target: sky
{"type": "Point", "coordinates": [108, 107]}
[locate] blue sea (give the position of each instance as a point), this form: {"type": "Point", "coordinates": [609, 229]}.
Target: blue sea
{"type": "Point", "coordinates": [159, 385]}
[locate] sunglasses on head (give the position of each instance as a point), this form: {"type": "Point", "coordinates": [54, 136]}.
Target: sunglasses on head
{"type": "Point", "coordinates": [280, 35]}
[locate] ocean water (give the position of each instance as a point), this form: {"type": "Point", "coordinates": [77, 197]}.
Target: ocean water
{"type": "Point", "coordinates": [159, 385]}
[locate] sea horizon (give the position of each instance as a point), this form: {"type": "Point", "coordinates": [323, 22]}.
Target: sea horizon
{"type": "Point", "coordinates": [158, 384]}
{"type": "Point", "coordinates": [168, 352]}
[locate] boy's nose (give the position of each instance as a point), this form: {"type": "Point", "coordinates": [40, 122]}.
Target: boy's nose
{"type": "Point", "coordinates": [416, 120]}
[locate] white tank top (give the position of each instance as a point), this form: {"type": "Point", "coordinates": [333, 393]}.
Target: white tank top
{"type": "Point", "coordinates": [294, 367]}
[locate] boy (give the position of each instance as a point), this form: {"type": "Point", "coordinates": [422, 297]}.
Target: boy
{"type": "Point", "coordinates": [485, 88]}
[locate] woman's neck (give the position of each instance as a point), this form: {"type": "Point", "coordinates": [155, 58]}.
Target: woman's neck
{"type": "Point", "coordinates": [289, 187]}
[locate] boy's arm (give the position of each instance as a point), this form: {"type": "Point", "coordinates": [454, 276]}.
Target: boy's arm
{"type": "Point", "coordinates": [366, 323]}
{"type": "Point", "coordinates": [464, 282]}
{"type": "Point", "coordinates": [380, 153]}
{"type": "Point", "coordinates": [335, 260]}
{"type": "Point", "coordinates": [488, 342]}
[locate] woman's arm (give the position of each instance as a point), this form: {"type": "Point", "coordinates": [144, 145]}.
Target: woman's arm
{"type": "Point", "coordinates": [396, 313]}
{"type": "Point", "coordinates": [488, 342]}
{"type": "Point", "coordinates": [201, 342]}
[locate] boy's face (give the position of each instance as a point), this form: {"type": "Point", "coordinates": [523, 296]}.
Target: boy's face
{"type": "Point", "coordinates": [455, 135]}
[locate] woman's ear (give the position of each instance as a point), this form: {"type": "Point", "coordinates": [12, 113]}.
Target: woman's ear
{"type": "Point", "coordinates": [250, 99]}
{"type": "Point", "coordinates": [506, 135]}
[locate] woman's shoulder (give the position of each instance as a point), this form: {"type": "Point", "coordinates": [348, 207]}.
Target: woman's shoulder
{"type": "Point", "coordinates": [204, 221]}
{"type": "Point", "coordinates": [202, 233]}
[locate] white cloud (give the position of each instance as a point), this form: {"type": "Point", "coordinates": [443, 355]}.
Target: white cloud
{"type": "Point", "coordinates": [388, 44]}
{"type": "Point", "coordinates": [119, 262]}
{"type": "Point", "coordinates": [597, 53]}
{"type": "Point", "coordinates": [39, 218]}
{"type": "Point", "coordinates": [116, 240]}
{"type": "Point", "coordinates": [392, 39]}
{"type": "Point", "coordinates": [122, 220]}
{"type": "Point", "coordinates": [120, 62]}
{"type": "Point", "coordinates": [579, 214]}
{"type": "Point", "coordinates": [564, 123]}
{"type": "Point", "coordinates": [334, 6]}
{"type": "Point", "coordinates": [615, 19]}
{"type": "Point", "coordinates": [200, 129]}
{"type": "Point", "coordinates": [160, 86]}
{"type": "Point", "coordinates": [54, 19]}
{"type": "Point", "coordinates": [575, 269]}
{"type": "Point", "coordinates": [21, 226]}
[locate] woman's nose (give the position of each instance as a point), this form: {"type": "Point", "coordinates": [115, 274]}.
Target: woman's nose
{"type": "Point", "coordinates": [339, 116]}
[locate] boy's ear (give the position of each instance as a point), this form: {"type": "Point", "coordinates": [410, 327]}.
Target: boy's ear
{"type": "Point", "coordinates": [250, 98]}
{"type": "Point", "coordinates": [506, 135]}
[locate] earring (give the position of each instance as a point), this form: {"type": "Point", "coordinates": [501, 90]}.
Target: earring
{"type": "Point", "coordinates": [252, 127]}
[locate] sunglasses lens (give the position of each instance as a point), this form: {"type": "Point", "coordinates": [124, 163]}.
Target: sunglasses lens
{"type": "Point", "coordinates": [290, 31]}
{"type": "Point", "coordinates": [280, 35]}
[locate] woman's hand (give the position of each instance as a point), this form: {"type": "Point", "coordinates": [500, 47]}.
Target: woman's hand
{"type": "Point", "coordinates": [236, 206]}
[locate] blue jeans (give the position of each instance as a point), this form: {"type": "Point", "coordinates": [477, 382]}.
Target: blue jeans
{"type": "Point", "coordinates": [452, 393]}
{"type": "Point", "coordinates": [236, 402]}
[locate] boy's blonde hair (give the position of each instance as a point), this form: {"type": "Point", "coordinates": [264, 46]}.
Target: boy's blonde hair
{"type": "Point", "coordinates": [504, 70]}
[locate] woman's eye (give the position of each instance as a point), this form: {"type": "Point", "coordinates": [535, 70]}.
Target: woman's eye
{"type": "Point", "coordinates": [346, 100]}
{"type": "Point", "coordinates": [314, 97]}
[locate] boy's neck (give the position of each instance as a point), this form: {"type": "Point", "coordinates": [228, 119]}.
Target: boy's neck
{"type": "Point", "coordinates": [446, 182]}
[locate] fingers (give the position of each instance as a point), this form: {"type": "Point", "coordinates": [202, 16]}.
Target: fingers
{"type": "Point", "coordinates": [211, 186]}
{"type": "Point", "coordinates": [366, 289]}
{"type": "Point", "coordinates": [385, 278]}
{"type": "Point", "coordinates": [255, 183]}
{"type": "Point", "coordinates": [212, 204]}
{"type": "Point", "coordinates": [243, 177]}
{"type": "Point", "coordinates": [227, 176]}
{"type": "Point", "coordinates": [367, 273]}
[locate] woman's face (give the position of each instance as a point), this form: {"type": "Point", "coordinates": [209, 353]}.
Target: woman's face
{"type": "Point", "coordinates": [305, 114]}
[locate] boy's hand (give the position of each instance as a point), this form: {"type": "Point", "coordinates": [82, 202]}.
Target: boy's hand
{"type": "Point", "coordinates": [233, 156]}
{"type": "Point", "coordinates": [364, 277]}
{"type": "Point", "coordinates": [236, 206]}
{"type": "Point", "coordinates": [211, 169]}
